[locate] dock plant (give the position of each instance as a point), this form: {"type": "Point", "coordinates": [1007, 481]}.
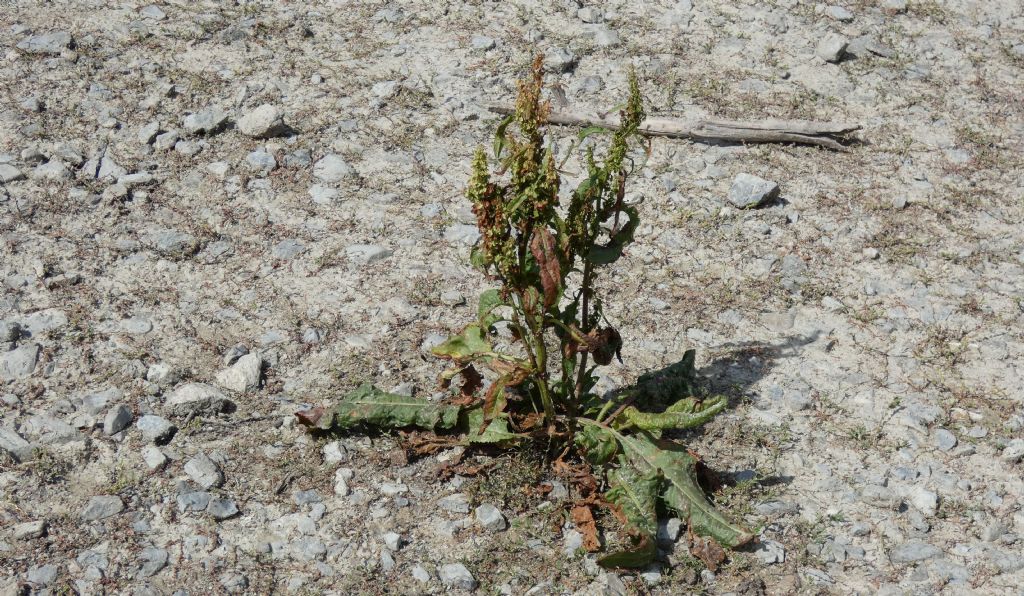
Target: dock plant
{"type": "Point", "coordinates": [525, 368]}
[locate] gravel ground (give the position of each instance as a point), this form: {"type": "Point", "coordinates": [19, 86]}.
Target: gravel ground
{"type": "Point", "coordinates": [215, 214]}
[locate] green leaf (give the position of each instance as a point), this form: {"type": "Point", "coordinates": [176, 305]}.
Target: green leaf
{"type": "Point", "coordinates": [499, 135]}
{"type": "Point", "coordinates": [636, 496]}
{"type": "Point", "coordinates": [591, 130]}
{"type": "Point", "coordinates": [682, 493]}
{"type": "Point", "coordinates": [497, 431]}
{"type": "Point", "coordinates": [597, 443]}
{"type": "Point", "coordinates": [686, 413]}
{"type": "Point", "coordinates": [467, 346]}
{"type": "Point", "coordinates": [489, 300]}
{"type": "Point", "coordinates": [371, 406]}
{"type": "Point", "coordinates": [640, 554]}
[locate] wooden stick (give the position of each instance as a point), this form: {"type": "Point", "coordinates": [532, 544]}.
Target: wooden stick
{"type": "Point", "coordinates": [823, 134]}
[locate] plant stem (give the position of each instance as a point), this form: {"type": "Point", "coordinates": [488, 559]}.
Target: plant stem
{"type": "Point", "coordinates": [588, 272]}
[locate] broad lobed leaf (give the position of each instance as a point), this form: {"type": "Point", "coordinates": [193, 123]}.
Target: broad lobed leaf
{"type": "Point", "coordinates": [371, 406]}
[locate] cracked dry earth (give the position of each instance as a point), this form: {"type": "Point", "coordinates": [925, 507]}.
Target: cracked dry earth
{"type": "Point", "coordinates": [215, 214]}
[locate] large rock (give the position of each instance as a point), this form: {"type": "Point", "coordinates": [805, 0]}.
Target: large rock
{"type": "Point", "coordinates": [197, 398]}
{"type": "Point", "coordinates": [262, 123]}
{"type": "Point", "coordinates": [19, 362]}
{"type": "Point", "coordinates": [243, 376]}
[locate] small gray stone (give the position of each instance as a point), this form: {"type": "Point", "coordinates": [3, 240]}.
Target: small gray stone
{"type": "Point", "coordinates": [880, 496]}
{"type": "Point", "coordinates": [155, 429]}
{"type": "Point", "coordinates": [263, 122]}
{"type": "Point", "coordinates": [924, 500]}
{"type": "Point", "coordinates": [770, 552]}
{"type": "Point", "coordinates": [832, 48]}
{"type": "Point", "coordinates": [288, 249]}
{"type": "Point", "coordinates": [750, 191]}
{"type": "Point", "coordinates": [208, 121]}
{"type": "Point", "coordinates": [29, 530]}
{"type": "Point", "coordinates": [102, 507]}
{"type": "Point", "coordinates": [559, 59]}
{"type": "Point", "coordinates": [944, 440]}
{"type": "Point", "coordinates": [52, 170]}
{"type": "Point", "coordinates": [490, 518]}
{"type": "Point", "coordinates": [322, 195]}
{"type": "Point", "coordinates": [393, 540]}
{"type": "Point", "coordinates": [47, 43]}
{"type": "Point", "coordinates": [153, 12]}
{"type": "Point", "coordinates": [173, 243]}
{"type": "Point", "coordinates": [196, 398]}
{"type": "Point", "coordinates": [42, 575]}
{"type": "Point", "coordinates": [261, 162]}
{"type": "Point", "coordinates": [420, 574]}
{"type": "Point", "coordinates": [669, 530]}
{"type": "Point", "coordinates": [234, 583]}
{"type": "Point", "coordinates": [893, 6]}
{"type": "Point", "coordinates": [9, 173]}
{"type": "Point", "coordinates": [12, 444]}
{"type": "Point", "coordinates": [455, 575]}
{"type": "Point", "coordinates": [221, 509]}
{"type": "Point", "coordinates": [117, 419]}
{"type": "Point", "coordinates": [839, 13]}
{"type": "Point", "coordinates": [193, 501]}
{"type": "Point", "coordinates": [332, 168]}
{"type": "Point", "coordinates": [166, 141]}
{"type": "Point", "coordinates": [913, 551]}
{"type": "Point", "coordinates": [154, 458]}
{"type": "Point", "coordinates": [19, 362]}
{"type": "Point", "coordinates": [153, 560]}
{"type": "Point", "coordinates": [365, 254]}
{"type": "Point", "coordinates": [1014, 451]}
{"type": "Point", "coordinates": [243, 376]}
{"type": "Point", "coordinates": [462, 234]}
{"type": "Point", "coordinates": [589, 14]}
{"type": "Point", "coordinates": [457, 503]}
{"type": "Point", "coordinates": [204, 472]}
{"type": "Point", "coordinates": [482, 42]}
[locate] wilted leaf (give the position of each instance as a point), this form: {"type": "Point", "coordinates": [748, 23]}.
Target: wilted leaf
{"type": "Point", "coordinates": [597, 443]}
{"type": "Point", "coordinates": [545, 252]}
{"type": "Point", "coordinates": [636, 496]}
{"type": "Point", "coordinates": [584, 520]}
{"type": "Point", "coordinates": [371, 406]}
{"type": "Point", "coordinates": [310, 417]}
{"type": "Point", "coordinates": [471, 344]}
{"type": "Point", "coordinates": [496, 431]}
{"type": "Point", "coordinates": [602, 344]}
{"type": "Point", "coordinates": [707, 550]}
{"type": "Point", "coordinates": [686, 413]}
{"type": "Point", "coordinates": [681, 492]}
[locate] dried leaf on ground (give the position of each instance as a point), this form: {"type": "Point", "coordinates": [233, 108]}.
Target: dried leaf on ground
{"type": "Point", "coordinates": [583, 517]}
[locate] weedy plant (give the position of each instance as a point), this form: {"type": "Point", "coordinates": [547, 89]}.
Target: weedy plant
{"type": "Point", "coordinates": [542, 333]}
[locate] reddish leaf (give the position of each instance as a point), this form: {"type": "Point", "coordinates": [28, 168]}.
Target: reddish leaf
{"type": "Point", "coordinates": [584, 520]}
{"type": "Point", "coordinates": [603, 343]}
{"type": "Point", "coordinates": [310, 417]}
{"type": "Point", "coordinates": [544, 250]}
{"type": "Point", "coordinates": [707, 550]}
